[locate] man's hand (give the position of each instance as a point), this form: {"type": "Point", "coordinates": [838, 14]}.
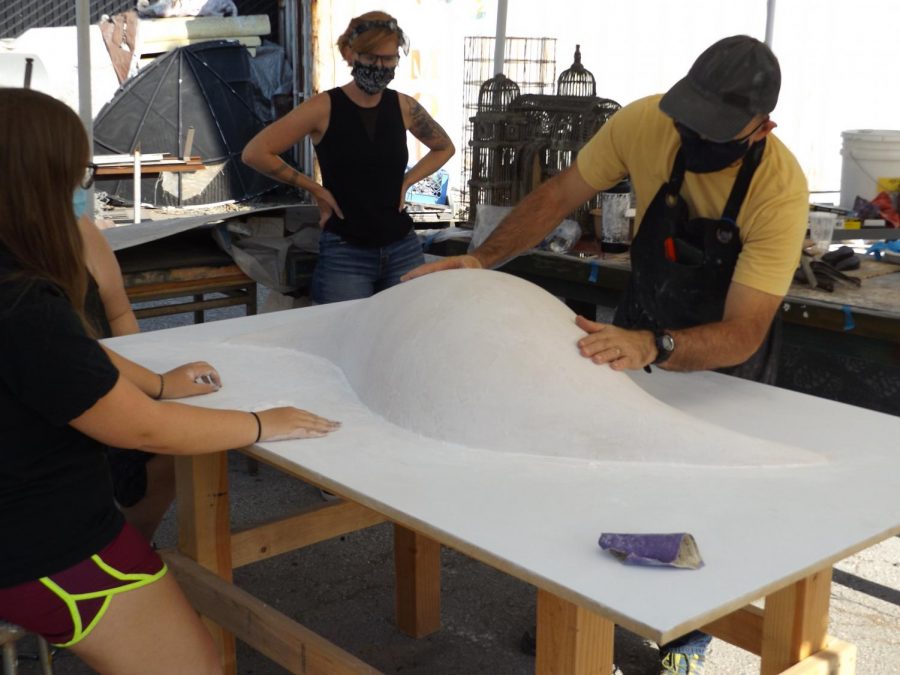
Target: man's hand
{"type": "Point", "coordinates": [453, 263]}
{"type": "Point", "coordinates": [622, 349]}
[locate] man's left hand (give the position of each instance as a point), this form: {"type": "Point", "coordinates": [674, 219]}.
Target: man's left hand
{"type": "Point", "coordinates": [622, 349]}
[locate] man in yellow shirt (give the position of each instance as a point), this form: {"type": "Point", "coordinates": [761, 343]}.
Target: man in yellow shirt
{"type": "Point", "coordinates": [722, 209]}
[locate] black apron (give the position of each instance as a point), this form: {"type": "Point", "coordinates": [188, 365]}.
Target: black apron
{"type": "Point", "coordinates": [681, 267]}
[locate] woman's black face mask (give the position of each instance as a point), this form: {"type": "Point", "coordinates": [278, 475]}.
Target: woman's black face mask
{"type": "Point", "coordinates": [705, 156]}
{"type": "Point", "coordinates": [372, 79]}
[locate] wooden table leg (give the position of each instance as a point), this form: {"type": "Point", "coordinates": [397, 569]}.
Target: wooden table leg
{"type": "Point", "coordinates": [204, 527]}
{"type": "Point", "coordinates": [795, 622]}
{"type": "Point", "coordinates": [571, 640]}
{"type": "Point", "coordinates": [417, 567]}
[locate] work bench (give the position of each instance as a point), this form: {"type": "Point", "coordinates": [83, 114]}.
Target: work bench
{"type": "Point", "coordinates": [441, 493]}
{"type": "Point", "coordinates": [184, 273]}
{"type": "Point", "coordinates": [843, 345]}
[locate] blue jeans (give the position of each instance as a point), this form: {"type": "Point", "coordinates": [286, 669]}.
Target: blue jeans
{"type": "Point", "coordinates": [347, 272]}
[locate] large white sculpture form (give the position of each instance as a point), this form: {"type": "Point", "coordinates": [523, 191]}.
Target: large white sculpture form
{"type": "Point", "coordinates": [488, 360]}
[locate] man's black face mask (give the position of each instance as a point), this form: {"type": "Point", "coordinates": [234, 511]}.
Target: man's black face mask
{"type": "Point", "coordinates": [705, 156]}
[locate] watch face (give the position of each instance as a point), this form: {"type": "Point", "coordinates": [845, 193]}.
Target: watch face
{"type": "Point", "coordinates": [668, 342]}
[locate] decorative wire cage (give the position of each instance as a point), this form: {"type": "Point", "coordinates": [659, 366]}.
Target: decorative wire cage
{"type": "Point", "coordinates": [497, 93]}
{"type": "Point", "coordinates": [497, 139]}
{"type": "Point", "coordinates": [577, 80]}
{"type": "Point", "coordinates": [531, 64]}
{"type": "Point", "coordinates": [557, 128]}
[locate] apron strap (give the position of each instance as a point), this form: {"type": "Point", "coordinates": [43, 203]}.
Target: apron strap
{"type": "Point", "coordinates": [742, 182]}
{"type": "Point", "coordinates": [676, 178]}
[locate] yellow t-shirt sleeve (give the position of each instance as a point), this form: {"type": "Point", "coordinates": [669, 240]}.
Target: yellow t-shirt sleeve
{"type": "Point", "coordinates": [774, 228]}
{"type": "Point", "coordinates": [600, 162]}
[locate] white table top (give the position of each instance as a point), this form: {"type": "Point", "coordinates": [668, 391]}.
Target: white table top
{"type": "Point", "coordinates": [758, 528]}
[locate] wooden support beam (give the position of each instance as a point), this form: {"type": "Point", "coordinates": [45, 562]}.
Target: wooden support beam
{"type": "Point", "coordinates": [417, 567]}
{"type": "Point", "coordinates": [265, 629]}
{"type": "Point", "coordinates": [203, 528]}
{"type": "Point", "coordinates": [571, 640]}
{"type": "Point", "coordinates": [837, 658]}
{"type": "Point", "coordinates": [795, 622]}
{"type": "Point", "coordinates": [312, 525]}
{"type": "Point", "coordinates": [743, 628]}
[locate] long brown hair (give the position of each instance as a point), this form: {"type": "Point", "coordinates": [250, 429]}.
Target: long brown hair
{"type": "Point", "coordinates": [43, 156]}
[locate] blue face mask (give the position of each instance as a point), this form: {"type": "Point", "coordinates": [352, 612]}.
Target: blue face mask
{"type": "Point", "coordinates": [79, 202]}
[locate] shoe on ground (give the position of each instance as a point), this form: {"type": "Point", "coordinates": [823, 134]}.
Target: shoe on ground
{"type": "Point", "coordinates": [673, 663]}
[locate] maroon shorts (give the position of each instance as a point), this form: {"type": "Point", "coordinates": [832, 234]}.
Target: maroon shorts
{"type": "Point", "coordinates": [65, 607]}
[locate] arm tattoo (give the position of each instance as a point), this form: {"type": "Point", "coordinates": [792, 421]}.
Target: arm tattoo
{"type": "Point", "coordinates": [284, 173]}
{"type": "Point", "coordinates": [422, 125]}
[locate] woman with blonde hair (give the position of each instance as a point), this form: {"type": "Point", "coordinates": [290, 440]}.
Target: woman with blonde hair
{"type": "Point", "coordinates": [71, 570]}
{"type": "Point", "coordinates": [359, 133]}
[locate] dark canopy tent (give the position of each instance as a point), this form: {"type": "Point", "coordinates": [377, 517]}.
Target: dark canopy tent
{"type": "Point", "coordinates": [207, 86]}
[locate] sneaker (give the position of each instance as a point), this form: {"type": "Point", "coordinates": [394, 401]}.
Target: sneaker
{"type": "Point", "coordinates": [673, 663]}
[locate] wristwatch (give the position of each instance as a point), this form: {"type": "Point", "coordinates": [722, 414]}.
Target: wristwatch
{"type": "Point", "coordinates": [665, 346]}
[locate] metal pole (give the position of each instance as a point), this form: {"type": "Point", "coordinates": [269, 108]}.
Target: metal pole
{"type": "Point", "coordinates": [136, 193]}
{"type": "Point", "coordinates": [770, 22]}
{"type": "Point", "coordinates": [85, 106]}
{"type": "Point", "coordinates": [500, 37]}
{"type": "Point", "coordinates": [306, 64]}
{"type": "Point", "coordinates": [29, 66]}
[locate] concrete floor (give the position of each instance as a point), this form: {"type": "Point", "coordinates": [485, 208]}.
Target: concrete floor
{"type": "Point", "coordinates": [343, 590]}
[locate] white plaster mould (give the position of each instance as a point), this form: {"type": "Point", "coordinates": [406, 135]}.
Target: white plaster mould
{"type": "Point", "coordinates": [487, 360]}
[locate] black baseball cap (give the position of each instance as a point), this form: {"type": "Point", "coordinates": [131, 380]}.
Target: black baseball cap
{"type": "Point", "coordinates": [729, 84]}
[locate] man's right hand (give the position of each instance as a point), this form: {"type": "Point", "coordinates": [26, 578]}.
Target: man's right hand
{"type": "Point", "coordinates": [456, 262]}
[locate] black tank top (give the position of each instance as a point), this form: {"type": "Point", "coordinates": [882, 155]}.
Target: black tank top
{"type": "Point", "coordinates": [363, 159]}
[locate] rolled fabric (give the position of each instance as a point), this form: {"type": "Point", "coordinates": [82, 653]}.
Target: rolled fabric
{"type": "Point", "coordinates": [677, 549]}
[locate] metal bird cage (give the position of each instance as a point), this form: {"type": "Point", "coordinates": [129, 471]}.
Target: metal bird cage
{"type": "Point", "coordinates": [577, 80]}
{"type": "Point", "coordinates": [519, 141]}
{"type": "Point", "coordinates": [531, 64]}
{"type": "Point", "coordinates": [497, 93]}
{"type": "Point", "coordinates": [497, 139]}
{"type": "Point", "coordinates": [557, 128]}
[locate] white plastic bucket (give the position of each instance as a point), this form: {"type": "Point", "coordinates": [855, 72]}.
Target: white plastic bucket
{"type": "Point", "coordinates": [869, 154]}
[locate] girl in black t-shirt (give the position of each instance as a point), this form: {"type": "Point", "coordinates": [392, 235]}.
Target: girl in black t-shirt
{"type": "Point", "coordinates": [70, 569]}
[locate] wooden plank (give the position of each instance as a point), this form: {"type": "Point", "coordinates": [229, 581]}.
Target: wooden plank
{"type": "Point", "coordinates": [314, 524]}
{"type": "Point", "coordinates": [795, 622]}
{"type": "Point", "coordinates": [169, 275]}
{"type": "Point", "coordinates": [266, 630]}
{"type": "Point", "coordinates": [571, 640]}
{"type": "Point", "coordinates": [184, 307]}
{"type": "Point", "coordinates": [128, 170]}
{"type": "Point", "coordinates": [743, 628]}
{"type": "Point", "coordinates": [201, 491]}
{"type": "Point", "coordinates": [417, 567]}
{"type": "Point", "coordinates": [836, 658]}
{"type": "Point", "coordinates": [161, 291]}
